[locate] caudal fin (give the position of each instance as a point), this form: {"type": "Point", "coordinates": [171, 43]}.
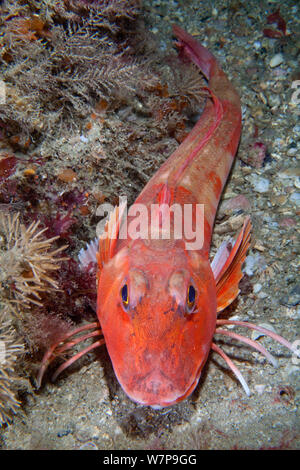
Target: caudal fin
{"type": "Point", "coordinates": [198, 54]}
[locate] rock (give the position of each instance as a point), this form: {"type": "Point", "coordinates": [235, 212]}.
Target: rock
{"type": "Point", "coordinates": [292, 298]}
{"type": "Point", "coordinates": [295, 198]}
{"type": "Point", "coordinates": [256, 155]}
{"type": "Point", "coordinates": [235, 204]}
{"type": "Point", "coordinates": [274, 100]}
{"type": "Point", "coordinates": [254, 263]}
{"type": "Point", "coordinates": [260, 388]}
{"type": "Point", "coordinates": [260, 184]}
{"type": "Point", "coordinates": [276, 60]}
{"type": "Point", "coordinates": [257, 287]}
{"type": "Point", "coordinates": [258, 334]}
{"type": "Point", "coordinates": [287, 222]}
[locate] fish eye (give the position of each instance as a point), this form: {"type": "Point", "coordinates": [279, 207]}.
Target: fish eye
{"type": "Point", "coordinates": [125, 296]}
{"type": "Point", "coordinates": [191, 298]}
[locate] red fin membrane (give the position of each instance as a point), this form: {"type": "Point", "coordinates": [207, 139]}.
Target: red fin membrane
{"type": "Point", "coordinates": [221, 257]}
{"type": "Point", "coordinates": [229, 276]}
{"type": "Point", "coordinates": [194, 51]}
{"type": "Point", "coordinates": [108, 240]}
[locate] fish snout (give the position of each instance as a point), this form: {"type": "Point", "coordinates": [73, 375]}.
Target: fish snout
{"type": "Point", "coordinates": [157, 390]}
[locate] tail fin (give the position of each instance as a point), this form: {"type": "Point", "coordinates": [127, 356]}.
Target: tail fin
{"type": "Point", "coordinates": [198, 54]}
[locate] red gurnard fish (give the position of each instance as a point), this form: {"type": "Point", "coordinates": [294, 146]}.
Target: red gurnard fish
{"type": "Point", "coordinates": [157, 300]}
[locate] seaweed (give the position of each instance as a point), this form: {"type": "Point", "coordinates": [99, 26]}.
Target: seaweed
{"type": "Point", "coordinates": [56, 69]}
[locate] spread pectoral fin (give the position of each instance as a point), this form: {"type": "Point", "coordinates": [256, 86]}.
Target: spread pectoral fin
{"type": "Point", "coordinates": [227, 267]}
{"type": "Point", "coordinates": [108, 239]}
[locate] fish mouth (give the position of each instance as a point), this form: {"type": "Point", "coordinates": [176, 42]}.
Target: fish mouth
{"type": "Point", "coordinates": [158, 391]}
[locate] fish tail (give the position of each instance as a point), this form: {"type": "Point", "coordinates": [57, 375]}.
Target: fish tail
{"type": "Point", "coordinates": [218, 82]}
{"type": "Point", "coordinates": [196, 53]}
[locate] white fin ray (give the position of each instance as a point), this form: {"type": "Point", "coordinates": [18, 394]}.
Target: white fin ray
{"type": "Point", "coordinates": [88, 255]}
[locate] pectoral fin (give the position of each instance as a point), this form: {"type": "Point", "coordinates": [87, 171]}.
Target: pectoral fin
{"type": "Point", "coordinates": [108, 240]}
{"type": "Point", "coordinates": [227, 267]}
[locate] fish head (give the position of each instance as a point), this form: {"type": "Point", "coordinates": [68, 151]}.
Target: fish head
{"type": "Point", "coordinates": [158, 316]}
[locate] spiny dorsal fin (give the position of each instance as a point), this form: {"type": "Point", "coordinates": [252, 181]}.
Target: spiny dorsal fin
{"type": "Point", "coordinates": [228, 277]}
{"type": "Point", "coordinates": [108, 240]}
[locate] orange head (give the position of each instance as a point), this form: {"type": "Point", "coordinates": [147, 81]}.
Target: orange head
{"type": "Point", "coordinates": [157, 310]}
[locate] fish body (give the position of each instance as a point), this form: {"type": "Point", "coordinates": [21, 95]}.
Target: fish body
{"type": "Point", "coordinates": [158, 294]}
{"type": "Point", "coordinates": [157, 300]}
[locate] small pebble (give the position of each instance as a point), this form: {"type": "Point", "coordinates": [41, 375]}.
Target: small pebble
{"type": "Point", "coordinates": [292, 151]}
{"type": "Point", "coordinates": [235, 318]}
{"type": "Point", "coordinates": [256, 155]}
{"type": "Point", "coordinates": [260, 184]}
{"type": "Point", "coordinates": [257, 287]}
{"type": "Point", "coordinates": [262, 295]}
{"type": "Point", "coordinates": [276, 60]}
{"type": "Point", "coordinates": [292, 370]}
{"type": "Point", "coordinates": [295, 198]}
{"type": "Point", "coordinates": [257, 334]}
{"type": "Point", "coordinates": [297, 182]}
{"type": "Point", "coordinates": [253, 263]}
{"type": "Point", "coordinates": [67, 175]}
{"type": "Point", "coordinates": [287, 222]}
{"type": "Point", "coordinates": [274, 100]}
{"type": "Point", "coordinates": [260, 388]}
{"type": "Point", "coordinates": [234, 204]}
{"type": "Point", "coordinates": [292, 298]}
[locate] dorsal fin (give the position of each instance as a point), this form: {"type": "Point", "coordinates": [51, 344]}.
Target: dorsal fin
{"type": "Point", "coordinates": [108, 240]}
{"type": "Point", "coordinates": [229, 275]}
